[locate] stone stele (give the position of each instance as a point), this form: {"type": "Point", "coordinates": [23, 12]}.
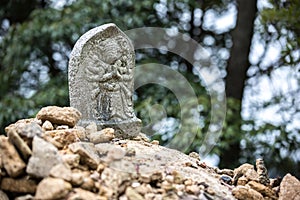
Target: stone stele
{"type": "Point", "coordinates": [101, 76]}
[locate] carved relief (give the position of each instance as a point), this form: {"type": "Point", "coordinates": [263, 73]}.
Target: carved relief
{"type": "Point", "coordinates": [101, 80]}
{"type": "Point", "coordinates": [110, 73]}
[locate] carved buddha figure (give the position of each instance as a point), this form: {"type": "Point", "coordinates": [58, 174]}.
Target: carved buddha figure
{"type": "Point", "coordinates": [110, 73]}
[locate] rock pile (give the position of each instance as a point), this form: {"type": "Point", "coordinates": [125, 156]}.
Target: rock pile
{"type": "Point", "coordinates": [50, 157]}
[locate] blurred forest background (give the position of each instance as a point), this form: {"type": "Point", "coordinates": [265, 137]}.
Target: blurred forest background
{"type": "Point", "coordinates": [255, 44]}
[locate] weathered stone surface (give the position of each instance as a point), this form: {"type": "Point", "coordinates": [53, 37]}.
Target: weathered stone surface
{"type": "Point", "coordinates": [52, 188]}
{"type": "Point", "coordinates": [71, 159]}
{"type": "Point", "coordinates": [193, 189]}
{"type": "Point", "coordinates": [130, 152]}
{"type": "Point", "coordinates": [77, 178]}
{"type": "Point", "coordinates": [11, 160]}
{"type": "Point", "coordinates": [91, 128]}
{"type": "Point", "coordinates": [81, 194]}
{"type": "Point", "coordinates": [44, 156]}
{"type": "Point", "coordinates": [289, 188]}
{"type": "Point", "coordinates": [23, 185]}
{"type": "Point", "coordinates": [64, 137]}
{"type": "Point", "coordinates": [47, 126]}
{"type": "Point", "coordinates": [110, 152]}
{"type": "Point", "coordinates": [103, 148]}
{"type": "Point", "coordinates": [58, 115]}
{"type": "Point", "coordinates": [116, 153]}
{"type": "Point", "coordinates": [88, 184]}
{"type": "Point", "coordinates": [102, 136]}
{"type": "Point", "coordinates": [262, 172]}
{"type": "Point", "coordinates": [251, 175]}
{"type": "Point", "coordinates": [61, 171]}
{"type": "Point", "coordinates": [114, 178]}
{"type": "Point", "coordinates": [88, 153]}
{"type": "Point", "coordinates": [264, 190]}
{"type": "Point", "coordinates": [227, 179]}
{"type": "Point", "coordinates": [30, 130]}
{"type": "Point", "coordinates": [149, 177]}
{"type": "Point", "coordinates": [20, 144]}
{"type": "Point", "coordinates": [81, 133]}
{"type": "Point", "coordinates": [241, 171]}
{"type": "Point", "coordinates": [141, 137]}
{"type": "Point", "coordinates": [228, 172]}
{"type": "Point", "coordinates": [101, 80]}
{"type": "Point", "coordinates": [27, 127]}
{"type": "Point", "coordinates": [132, 194]}
{"type": "Point", "coordinates": [242, 181]}
{"type": "Point", "coordinates": [246, 193]}
{"type": "Point", "coordinates": [3, 196]}
{"type": "Point", "coordinates": [194, 155]}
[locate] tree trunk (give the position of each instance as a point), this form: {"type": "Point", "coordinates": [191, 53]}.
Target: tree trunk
{"type": "Point", "coordinates": [237, 67]}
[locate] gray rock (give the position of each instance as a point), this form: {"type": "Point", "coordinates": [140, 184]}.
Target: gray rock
{"type": "Point", "coordinates": [30, 130]}
{"type": "Point", "coordinates": [61, 171]}
{"type": "Point", "coordinates": [27, 127]}
{"type": "Point", "coordinates": [101, 80]}
{"type": "Point", "coordinates": [11, 160]}
{"type": "Point", "coordinates": [44, 156]}
{"type": "Point", "coordinates": [88, 153]}
{"type": "Point", "coordinates": [71, 159]}
{"type": "Point", "coordinates": [110, 152]}
{"type": "Point", "coordinates": [289, 188]}
{"type": "Point", "coordinates": [91, 128]}
{"type": "Point", "coordinates": [81, 133]}
{"type": "Point", "coordinates": [58, 115]}
{"type": "Point", "coordinates": [116, 153]}
{"type": "Point", "coordinates": [52, 188]}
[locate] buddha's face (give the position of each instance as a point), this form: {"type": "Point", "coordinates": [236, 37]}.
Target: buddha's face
{"type": "Point", "coordinates": [111, 51]}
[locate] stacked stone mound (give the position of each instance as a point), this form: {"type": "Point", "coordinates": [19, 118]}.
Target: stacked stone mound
{"type": "Point", "coordinates": [49, 157]}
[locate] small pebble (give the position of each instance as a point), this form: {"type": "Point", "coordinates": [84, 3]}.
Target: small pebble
{"type": "Point", "coordinates": [135, 184]}
{"type": "Point", "coordinates": [194, 155]}
{"type": "Point", "coordinates": [210, 191]}
{"type": "Point", "coordinates": [130, 152]}
{"type": "Point", "coordinates": [226, 179]}
{"type": "Point", "coordinates": [157, 157]}
{"type": "Point", "coordinates": [47, 126]}
{"type": "Point", "coordinates": [242, 181]}
{"type": "Point", "coordinates": [62, 127]}
{"type": "Point", "coordinates": [155, 142]}
{"type": "Point", "coordinates": [202, 164]}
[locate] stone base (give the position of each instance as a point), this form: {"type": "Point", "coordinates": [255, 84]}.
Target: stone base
{"type": "Point", "coordinates": [123, 129]}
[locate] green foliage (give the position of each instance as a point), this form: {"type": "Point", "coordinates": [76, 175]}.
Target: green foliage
{"type": "Point", "coordinates": [283, 16]}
